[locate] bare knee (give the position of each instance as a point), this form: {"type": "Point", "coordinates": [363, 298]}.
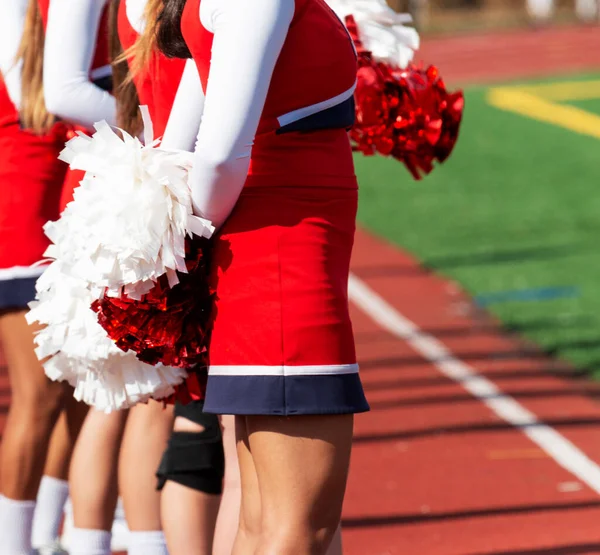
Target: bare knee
{"type": "Point", "coordinates": [250, 526]}
{"type": "Point", "coordinates": [296, 540]}
{"type": "Point", "coordinates": [283, 534]}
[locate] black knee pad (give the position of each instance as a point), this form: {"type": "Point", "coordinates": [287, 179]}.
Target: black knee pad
{"type": "Point", "coordinates": [195, 459]}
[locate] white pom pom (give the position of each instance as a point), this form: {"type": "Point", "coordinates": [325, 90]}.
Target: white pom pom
{"type": "Point", "coordinates": [383, 31]}
{"type": "Point", "coordinates": [76, 348]}
{"type": "Point", "coordinates": [128, 221]}
{"type": "Point", "coordinates": [124, 229]}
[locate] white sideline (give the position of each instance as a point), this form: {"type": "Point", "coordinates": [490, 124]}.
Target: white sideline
{"type": "Point", "coordinates": [567, 455]}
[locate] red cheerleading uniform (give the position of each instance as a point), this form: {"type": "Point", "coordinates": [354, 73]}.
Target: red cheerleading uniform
{"type": "Point", "coordinates": [282, 340]}
{"type": "Point", "coordinates": [8, 112]}
{"type": "Point", "coordinates": [31, 179]}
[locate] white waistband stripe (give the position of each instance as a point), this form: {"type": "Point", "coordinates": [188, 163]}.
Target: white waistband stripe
{"type": "Point", "coordinates": [302, 113]}
{"type": "Point", "coordinates": [20, 272]}
{"type": "Point", "coordinates": [313, 370]}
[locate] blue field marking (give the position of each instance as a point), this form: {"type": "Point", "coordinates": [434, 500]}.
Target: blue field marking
{"type": "Point", "coordinates": [527, 295]}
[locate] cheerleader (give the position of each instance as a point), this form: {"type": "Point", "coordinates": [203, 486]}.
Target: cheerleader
{"type": "Point", "coordinates": [93, 501]}
{"type": "Point", "coordinates": [76, 68]}
{"type": "Point", "coordinates": [273, 170]}
{"type": "Point", "coordinates": [31, 178]}
{"type": "Point", "coordinates": [191, 471]}
{"type": "Point", "coordinates": [70, 94]}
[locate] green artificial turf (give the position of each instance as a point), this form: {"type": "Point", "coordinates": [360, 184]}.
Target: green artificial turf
{"type": "Point", "coordinates": [516, 208]}
{"type": "Point", "coordinates": [591, 105]}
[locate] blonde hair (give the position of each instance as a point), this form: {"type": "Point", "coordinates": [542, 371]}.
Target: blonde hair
{"type": "Point", "coordinates": [144, 48]}
{"type": "Point", "coordinates": [141, 56]}
{"type": "Point", "coordinates": [33, 112]}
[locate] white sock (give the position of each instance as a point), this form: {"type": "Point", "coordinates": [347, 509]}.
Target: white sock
{"type": "Point", "coordinates": [89, 542]}
{"type": "Point", "coordinates": [147, 543]}
{"type": "Point", "coordinates": [50, 504]}
{"type": "Point", "coordinates": [120, 510]}
{"type": "Point", "coordinates": [16, 518]}
{"type": "Point", "coordinates": [67, 527]}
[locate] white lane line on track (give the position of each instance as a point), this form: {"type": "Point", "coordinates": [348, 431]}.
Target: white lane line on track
{"type": "Point", "coordinates": [565, 453]}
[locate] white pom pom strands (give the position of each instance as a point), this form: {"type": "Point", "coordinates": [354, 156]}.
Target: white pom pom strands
{"type": "Point", "coordinates": [125, 228]}
{"type": "Point", "coordinates": [76, 349]}
{"type": "Point", "coordinates": [384, 32]}
{"type": "Point", "coordinates": [128, 221]}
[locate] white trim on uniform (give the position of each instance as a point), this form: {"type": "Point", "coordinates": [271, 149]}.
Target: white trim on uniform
{"type": "Point", "coordinates": [274, 371]}
{"type": "Point", "coordinates": [101, 72]}
{"type": "Point", "coordinates": [20, 272]}
{"type": "Point", "coordinates": [307, 111]}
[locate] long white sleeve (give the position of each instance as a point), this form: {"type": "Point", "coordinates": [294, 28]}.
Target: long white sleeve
{"type": "Point", "coordinates": [248, 38]}
{"type": "Point", "coordinates": [12, 20]}
{"type": "Point", "coordinates": [69, 51]}
{"type": "Point", "coordinates": [186, 114]}
{"type": "Point", "coordinates": [135, 14]}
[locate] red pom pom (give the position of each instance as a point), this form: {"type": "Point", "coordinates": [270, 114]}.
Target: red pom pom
{"type": "Point", "coordinates": [404, 113]}
{"type": "Point", "coordinates": [168, 325]}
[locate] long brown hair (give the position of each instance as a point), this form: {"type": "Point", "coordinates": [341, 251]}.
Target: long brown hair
{"type": "Point", "coordinates": [168, 34]}
{"type": "Point", "coordinates": [140, 56]}
{"type": "Point", "coordinates": [33, 112]}
{"type": "Point", "coordinates": [146, 45]}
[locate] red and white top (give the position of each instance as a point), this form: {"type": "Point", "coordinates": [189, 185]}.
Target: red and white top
{"type": "Point", "coordinates": [269, 68]}
{"type": "Point", "coordinates": [77, 61]}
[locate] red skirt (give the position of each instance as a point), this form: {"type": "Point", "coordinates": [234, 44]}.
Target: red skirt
{"type": "Point", "coordinates": [282, 340]}
{"type": "Point", "coordinates": [31, 179]}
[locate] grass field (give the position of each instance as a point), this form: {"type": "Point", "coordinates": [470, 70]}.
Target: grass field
{"type": "Point", "coordinates": [515, 214]}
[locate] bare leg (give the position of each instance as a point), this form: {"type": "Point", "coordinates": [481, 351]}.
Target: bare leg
{"type": "Point", "coordinates": [301, 467]}
{"type": "Point", "coordinates": [35, 407]}
{"type": "Point", "coordinates": [146, 435]}
{"type": "Point", "coordinates": [189, 520]}
{"type": "Point", "coordinates": [249, 530]}
{"type": "Point", "coordinates": [93, 475]}
{"type": "Point", "coordinates": [54, 489]}
{"type": "Point", "coordinates": [189, 516]}
{"type": "Point", "coordinates": [63, 438]}
{"type": "Point", "coordinates": [229, 511]}
{"type": "Point", "coordinates": [60, 450]}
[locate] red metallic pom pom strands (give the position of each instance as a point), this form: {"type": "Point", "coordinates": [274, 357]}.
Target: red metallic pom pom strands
{"type": "Point", "coordinates": [192, 389]}
{"type": "Point", "coordinates": [404, 113]}
{"type": "Point", "coordinates": [169, 325]}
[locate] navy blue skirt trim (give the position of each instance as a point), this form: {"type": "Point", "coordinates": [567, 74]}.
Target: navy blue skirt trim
{"type": "Point", "coordinates": [17, 293]}
{"type": "Point", "coordinates": [285, 395]}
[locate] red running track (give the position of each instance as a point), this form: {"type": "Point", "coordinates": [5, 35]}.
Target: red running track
{"type": "Point", "coordinates": [435, 472]}
{"type": "Point", "coordinates": [522, 54]}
